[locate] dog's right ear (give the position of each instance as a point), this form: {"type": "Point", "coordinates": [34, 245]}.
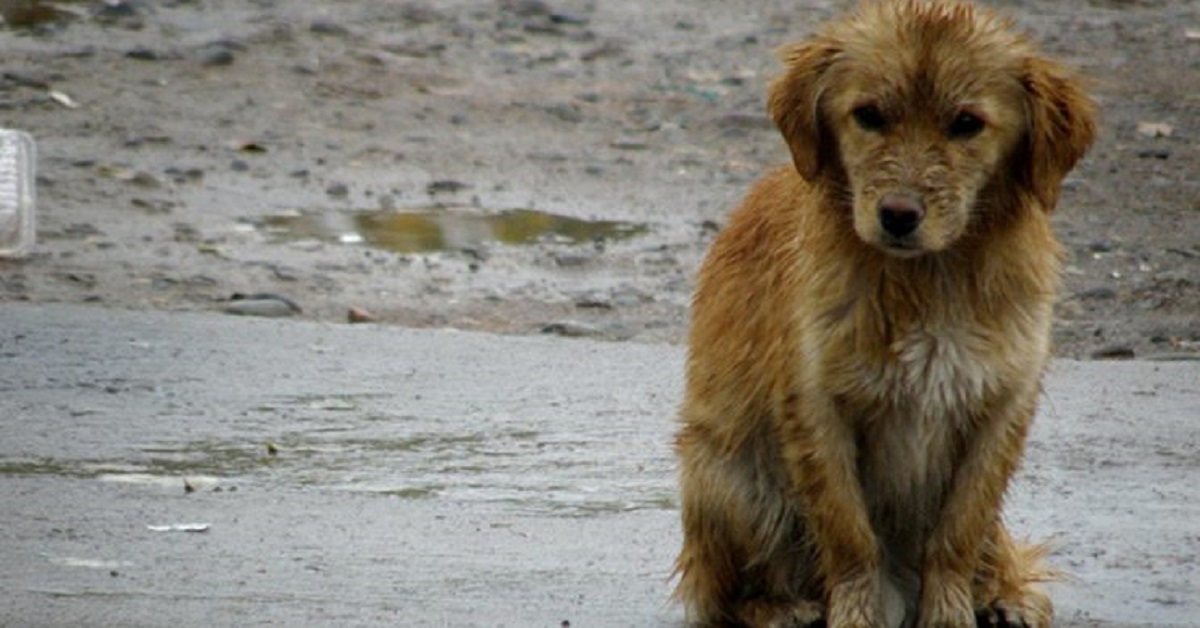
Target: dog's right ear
{"type": "Point", "coordinates": [794, 102]}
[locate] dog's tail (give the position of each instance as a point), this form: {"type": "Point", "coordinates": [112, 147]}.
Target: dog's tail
{"type": "Point", "coordinates": [1032, 563]}
{"type": "Point", "coordinates": [1010, 578]}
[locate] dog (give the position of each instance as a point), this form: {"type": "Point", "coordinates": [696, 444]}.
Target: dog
{"type": "Point", "coordinates": [870, 330]}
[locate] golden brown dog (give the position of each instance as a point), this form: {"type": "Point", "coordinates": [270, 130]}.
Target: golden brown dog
{"type": "Point", "coordinates": [870, 331]}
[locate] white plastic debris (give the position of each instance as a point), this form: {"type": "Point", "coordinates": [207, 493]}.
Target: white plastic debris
{"type": "Point", "coordinates": [63, 99]}
{"type": "Point", "coordinates": [179, 527]}
{"type": "Point", "coordinates": [18, 158]}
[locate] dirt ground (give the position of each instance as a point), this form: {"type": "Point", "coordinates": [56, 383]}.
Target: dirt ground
{"type": "Point", "coordinates": [366, 154]}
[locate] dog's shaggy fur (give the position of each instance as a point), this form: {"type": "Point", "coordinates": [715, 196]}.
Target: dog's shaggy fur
{"type": "Point", "coordinates": [870, 331]}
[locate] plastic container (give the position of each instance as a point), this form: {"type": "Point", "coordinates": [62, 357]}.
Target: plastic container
{"type": "Point", "coordinates": [18, 160]}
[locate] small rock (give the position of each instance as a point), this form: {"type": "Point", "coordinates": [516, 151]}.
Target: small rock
{"type": "Point", "coordinates": [359, 315]}
{"type": "Point", "coordinates": [525, 8]}
{"type": "Point", "coordinates": [1155, 129]}
{"type": "Point", "coordinates": [1154, 153]}
{"type": "Point", "coordinates": [1098, 293]}
{"type": "Point", "coordinates": [142, 54]}
{"type": "Point", "coordinates": [571, 329]}
{"type": "Point", "coordinates": [338, 190]}
{"type": "Point", "coordinates": [326, 27]}
{"type": "Point", "coordinates": [120, 13]}
{"type": "Point", "coordinates": [567, 112]}
{"type": "Point", "coordinates": [448, 186]}
{"type": "Point", "coordinates": [605, 49]}
{"type": "Point", "coordinates": [249, 146]}
{"type": "Point", "coordinates": [145, 180]}
{"type": "Point", "coordinates": [1113, 352]}
{"type": "Point", "coordinates": [597, 301]}
{"type": "Point", "coordinates": [113, 9]}
{"type": "Point", "coordinates": [261, 304]}
{"type": "Point", "coordinates": [571, 260]}
{"type": "Point", "coordinates": [217, 58]}
{"type": "Point", "coordinates": [567, 18]}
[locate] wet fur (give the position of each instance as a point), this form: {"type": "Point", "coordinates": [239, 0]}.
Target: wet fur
{"type": "Point", "coordinates": [854, 407]}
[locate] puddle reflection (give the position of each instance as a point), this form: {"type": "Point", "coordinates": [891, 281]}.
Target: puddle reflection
{"type": "Point", "coordinates": [449, 229]}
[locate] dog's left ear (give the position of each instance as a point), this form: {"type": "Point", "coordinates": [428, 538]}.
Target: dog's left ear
{"type": "Point", "coordinates": [1062, 126]}
{"type": "Point", "coordinates": [794, 103]}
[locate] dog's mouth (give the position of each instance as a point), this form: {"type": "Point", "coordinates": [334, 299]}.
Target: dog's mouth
{"type": "Point", "coordinates": [901, 247]}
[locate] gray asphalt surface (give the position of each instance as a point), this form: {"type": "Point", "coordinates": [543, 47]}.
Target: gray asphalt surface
{"type": "Point", "coordinates": [381, 476]}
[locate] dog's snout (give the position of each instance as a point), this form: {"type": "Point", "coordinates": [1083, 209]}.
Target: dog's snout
{"type": "Point", "coordinates": [900, 215]}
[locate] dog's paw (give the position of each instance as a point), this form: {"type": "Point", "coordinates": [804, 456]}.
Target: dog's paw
{"type": "Point", "coordinates": [805, 614]}
{"type": "Point", "coordinates": [946, 606]}
{"type": "Point", "coordinates": [796, 614]}
{"type": "Point", "coordinates": [1030, 610]}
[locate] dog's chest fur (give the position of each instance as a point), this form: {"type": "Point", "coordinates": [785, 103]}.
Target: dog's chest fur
{"type": "Point", "coordinates": [925, 395]}
{"type": "Point", "coordinates": [913, 403]}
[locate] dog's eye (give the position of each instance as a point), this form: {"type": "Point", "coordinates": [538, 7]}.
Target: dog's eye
{"type": "Point", "coordinates": [869, 117]}
{"type": "Point", "coordinates": [966, 125]}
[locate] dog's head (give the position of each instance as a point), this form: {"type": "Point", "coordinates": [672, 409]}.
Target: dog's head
{"type": "Point", "coordinates": [916, 108]}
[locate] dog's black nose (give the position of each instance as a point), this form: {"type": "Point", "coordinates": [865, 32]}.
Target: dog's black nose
{"type": "Point", "coordinates": [900, 215]}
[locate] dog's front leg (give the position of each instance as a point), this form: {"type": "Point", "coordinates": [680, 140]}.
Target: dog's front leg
{"type": "Point", "coordinates": [820, 451]}
{"type": "Point", "coordinates": [970, 509]}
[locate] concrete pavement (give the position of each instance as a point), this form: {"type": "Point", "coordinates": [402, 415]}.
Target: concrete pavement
{"type": "Point", "coordinates": [362, 475]}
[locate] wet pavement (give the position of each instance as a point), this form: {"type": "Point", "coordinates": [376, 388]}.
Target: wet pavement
{"type": "Point", "coordinates": [175, 469]}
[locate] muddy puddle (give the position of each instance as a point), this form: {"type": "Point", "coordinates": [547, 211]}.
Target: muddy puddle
{"type": "Point", "coordinates": [427, 230]}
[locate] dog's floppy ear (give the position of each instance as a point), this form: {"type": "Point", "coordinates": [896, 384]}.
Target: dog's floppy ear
{"type": "Point", "coordinates": [794, 103]}
{"type": "Point", "coordinates": [1062, 125]}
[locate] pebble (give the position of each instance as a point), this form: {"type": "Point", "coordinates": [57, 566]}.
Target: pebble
{"type": "Point", "coordinates": [1154, 153]}
{"type": "Point", "coordinates": [1154, 129]}
{"type": "Point", "coordinates": [448, 186]}
{"type": "Point", "coordinates": [571, 329]}
{"type": "Point", "coordinates": [1098, 293]}
{"type": "Point", "coordinates": [326, 27]}
{"type": "Point", "coordinates": [567, 112]}
{"type": "Point", "coordinates": [261, 304]}
{"type": "Point", "coordinates": [568, 18]}
{"type": "Point", "coordinates": [594, 302]}
{"type": "Point", "coordinates": [217, 58]}
{"type": "Point", "coordinates": [142, 54]}
{"type": "Point", "coordinates": [119, 12]}
{"type": "Point", "coordinates": [338, 190]}
{"type": "Point", "coordinates": [359, 315]}
{"type": "Point", "coordinates": [571, 260]}
{"type": "Point", "coordinates": [1114, 352]}
{"type": "Point", "coordinates": [525, 8]}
